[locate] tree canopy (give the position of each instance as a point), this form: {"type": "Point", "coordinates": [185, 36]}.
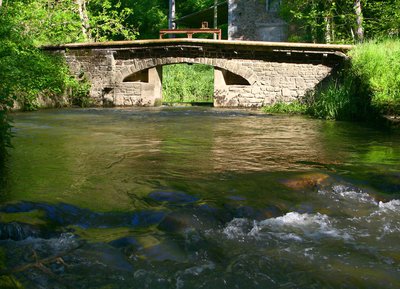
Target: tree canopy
{"type": "Point", "coordinates": [341, 21]}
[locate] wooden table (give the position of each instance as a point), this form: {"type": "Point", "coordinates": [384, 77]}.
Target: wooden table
{"type": "Point", "coordinates": [189, 32]}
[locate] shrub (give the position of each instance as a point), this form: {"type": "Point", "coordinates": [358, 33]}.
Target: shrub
{"type": "Point", "coordinates": [344, 97]}
{"type": "Point", "coordinates": [188, 83]}
{"type": "Point", "coordinates": [366, 87]}
{"type": "Point", "coordinates": [378, 64]}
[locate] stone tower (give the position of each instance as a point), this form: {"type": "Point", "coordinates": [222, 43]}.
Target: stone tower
{"type": "Point", "coordinates": [255, 20]}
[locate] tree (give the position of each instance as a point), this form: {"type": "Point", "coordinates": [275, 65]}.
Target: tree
{"type": "Point", "coordinates": [109, 21]}
{"type": "Point", "coordinates": [83, 15]}
{"type": "Point", "coordinates": [359, 20]}
{"type": "Point", "coordinates": [341, 20]}
{"type": "Point", "coordinates": [381, 18]}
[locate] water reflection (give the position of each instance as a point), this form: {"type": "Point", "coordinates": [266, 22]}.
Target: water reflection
{"type": "Point", "coordinates": [200, 198]}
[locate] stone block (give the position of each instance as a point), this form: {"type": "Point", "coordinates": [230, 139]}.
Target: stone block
{"type": "Point", "coordinates": [286, 92]}
{"type": "Point", "coordinates": [256, 90]}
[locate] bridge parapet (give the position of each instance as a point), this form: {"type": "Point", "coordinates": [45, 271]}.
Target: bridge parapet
{"type": "Point", "coordinates": [247, 73]}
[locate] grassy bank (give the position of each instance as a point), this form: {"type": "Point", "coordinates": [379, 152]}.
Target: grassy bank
{"type": "Point", "coordinates": [378, 65]}
{"type": "Point", "coordinates": [368, 86]}
{"type": "Point", "coordinates": [188, 83]}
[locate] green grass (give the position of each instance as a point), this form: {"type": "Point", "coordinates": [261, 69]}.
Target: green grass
{"type": "Point", "coordinates": [287, 108]}
{"type": "Point", "coordinates": [345, 97]}
{"type": "Point", "coordinates": [378, 64]}
{"type": "Point", "coordinates": [188, 83]}
{"type": "Point", "coordinates": [366, 87]}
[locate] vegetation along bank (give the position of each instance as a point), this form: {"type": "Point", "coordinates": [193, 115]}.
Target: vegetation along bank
{"type": "Point", "coordinates": [368, 86]}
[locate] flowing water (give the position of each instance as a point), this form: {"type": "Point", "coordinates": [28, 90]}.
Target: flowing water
{"type": "Point", "coordinates": [199, 198]}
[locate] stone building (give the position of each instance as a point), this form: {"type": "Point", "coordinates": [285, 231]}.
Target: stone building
{"type": "Point", "coordinates": [256, 20]}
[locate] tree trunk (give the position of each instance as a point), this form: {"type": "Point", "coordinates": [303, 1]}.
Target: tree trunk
{"type": "Point", "coordinates": [1, 2]}
{"type": "Point", "coordinates": [84, 19]}
{"type": "Point", "coordinates": [359, 21]}
{"type": "Point", "coordinates": [328, 29]}
{"type": "Point", "coordinates": [171, 17]}
{"type": "Point", "coordinates": [215, 17]}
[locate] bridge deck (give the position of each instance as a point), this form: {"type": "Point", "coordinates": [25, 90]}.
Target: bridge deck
{"type": "Point", "coordinates": [252, 45]}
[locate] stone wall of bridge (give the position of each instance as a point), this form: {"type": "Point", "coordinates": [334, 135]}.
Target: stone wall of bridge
{"type": "Point", "coordinates": [134, 78]}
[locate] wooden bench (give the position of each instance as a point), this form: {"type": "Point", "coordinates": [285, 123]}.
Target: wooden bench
{"type": "Point", "coordinates": [189, 32]}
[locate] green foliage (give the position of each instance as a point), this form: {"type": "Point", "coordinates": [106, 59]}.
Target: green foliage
{"type": "Point", "coordinates": [26, 72]}
{"type": "Point", "coordinates": [148, 17]}
{"type": "Point", "coordinates": [190, 6]}
{"type": "Point", "coordinates": [55, 22]}
{"type": "Point", "coordinates": [382, 18]}
{"type": "Point", "coordinates": [378, 63]}
{"type": "Point", "coordinates": [318, 20]}
{"type": "Point", "coordinates": [108, 21]}
{"type": "Point", "coordinates": [335, 20]}
{"type": "Point", "coordinates": [188, 83]}
{"type": "Point", "coordinates": [365, 88]}
{"type": "Point", "coordinates": [345, 97]}
{"type": "Point", "coordinates": [46, 21]}
{"type": "Point", "coordinates": [294, 107]}
{"type": "Point", "coordinates": [368, 86]}
{"type": "Point", "coordinates": [77, 90]}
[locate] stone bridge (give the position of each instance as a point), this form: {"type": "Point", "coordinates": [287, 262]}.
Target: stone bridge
{"type": "Point", "coordinates": [246, 74]}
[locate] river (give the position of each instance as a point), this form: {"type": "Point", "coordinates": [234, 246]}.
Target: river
{"type": "Point", "coordinates": [199, 198]}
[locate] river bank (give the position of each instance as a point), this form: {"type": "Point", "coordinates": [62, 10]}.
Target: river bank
{"type": "Point", "coordinates": [367, 87]}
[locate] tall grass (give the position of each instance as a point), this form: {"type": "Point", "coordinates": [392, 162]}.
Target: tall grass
{"type": "Point", "coordinates": [345, 97]}
{"type": "Point", "coordinates": [295, 107]}
{"type": "Point", "coordinates": [378, 64]}
{"type": "Point", "coordinates": [366, 87]}
{"type": "Point", "coordinates": [188, 83]}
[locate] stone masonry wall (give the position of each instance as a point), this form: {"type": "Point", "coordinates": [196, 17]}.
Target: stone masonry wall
{"type": "Point", "coordinates": [96, 65]}
{"type": "Point", "coordinates": [276, 82]}
{"type": "Point", "coordinates": [263, 82]}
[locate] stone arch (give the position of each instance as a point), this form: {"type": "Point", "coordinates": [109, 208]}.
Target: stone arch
{"type": "Point", "coordinates": [233, 66]}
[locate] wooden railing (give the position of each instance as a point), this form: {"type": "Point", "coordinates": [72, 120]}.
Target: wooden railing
{"type": "Point", "coordinates": [190, 31]}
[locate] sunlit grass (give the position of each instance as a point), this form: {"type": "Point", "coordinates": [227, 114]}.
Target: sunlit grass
{"type": "Point", "coordinates": [287, 108]}
{"type": "Point", "coordinates": [378, 63]}
{"type": "Point", "coordinates": [188, 83]}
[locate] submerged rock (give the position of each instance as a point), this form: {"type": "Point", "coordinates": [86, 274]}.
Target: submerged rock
{"type": "Point", "coordinates": [17, 231]}
{"type": "Point", "coordinates": [124, 242]}
{"type": "Point", "coordinates": [163, 251]}
{"type": "Point", "coordinates": [101, 256]}
{"type": "Point", "coordinates": [172, 197]}
{"type": "Point", "coordinates": [179, 221]}
{"type": "Point", "coordinates": [65, 215]}
{"type": "Point", "coordinates": [307, 181]}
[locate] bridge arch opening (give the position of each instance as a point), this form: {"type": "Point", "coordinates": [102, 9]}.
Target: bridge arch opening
{"type": "Point", "coordinates": [140, 76]}
{"type": "Point", "coordinates": [231, 78]}
{"type": "Point", "coordinates": [188, 83]}
{"type": "Point", "coordinates": [217, 83]}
